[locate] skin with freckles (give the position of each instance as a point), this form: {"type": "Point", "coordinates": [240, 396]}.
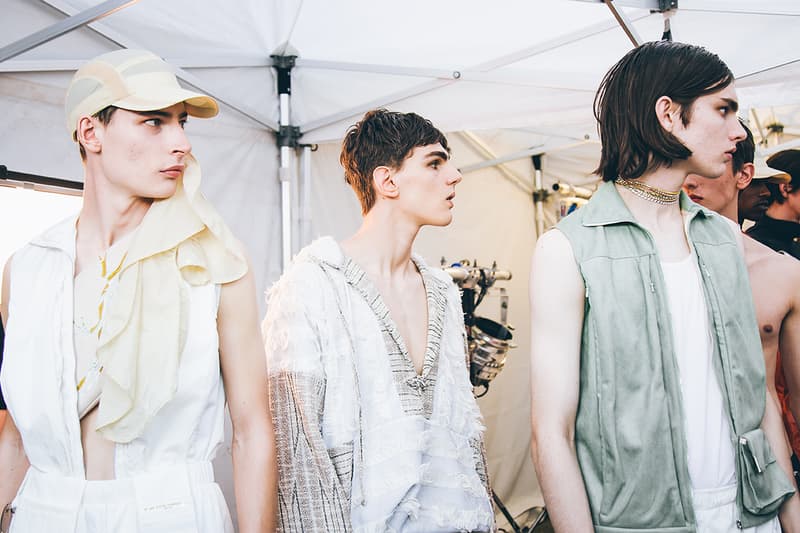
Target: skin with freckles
{"type": "Point", "coordinates": [134, 159]}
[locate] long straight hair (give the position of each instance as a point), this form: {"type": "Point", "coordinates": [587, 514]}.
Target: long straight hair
{"type": "Point", "coordinates": [633, 142]}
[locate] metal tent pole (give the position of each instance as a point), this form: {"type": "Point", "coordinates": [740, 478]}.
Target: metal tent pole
{"type": "Point", "coordinates": [539, 194]}
{"type": "Point", "coordinates": [287, 140]}
{"type": "Point", "coordinates": [305, 196]}
{"type": "Point", "coordinates": [58, 29]}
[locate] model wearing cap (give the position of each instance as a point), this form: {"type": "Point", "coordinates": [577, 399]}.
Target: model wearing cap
{"type": "Point", "coordinates": [774, 281]}
{"type": "Point", "coordinates": [649, 409]}
{"type": "Point", "coordinates": [376, 423]}
{"type": "Point", "coordinates": [779, 228]}
{"type": "Point", "coordinates": [129, 327]}
{"type": "Point", "coordinates": [755, 199]}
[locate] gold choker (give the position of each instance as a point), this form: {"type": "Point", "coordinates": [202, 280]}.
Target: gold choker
{"type": "Point", "coordinates": [650, 193]}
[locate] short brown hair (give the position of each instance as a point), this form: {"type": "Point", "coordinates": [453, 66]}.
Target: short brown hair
{"type": "Point", "coordinates": [104, 116]}
{"type": "Point", "coordinates": [633, 142]}
{"type": "Point", "coordinates": [382, 138]}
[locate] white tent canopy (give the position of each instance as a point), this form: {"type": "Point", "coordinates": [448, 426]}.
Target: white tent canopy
{"type": "Point", "coordinates": [506, 80]}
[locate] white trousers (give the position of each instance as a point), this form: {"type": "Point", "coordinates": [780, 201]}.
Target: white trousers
{"type": "Point", "coordinates": [176, 499]}
{"type": "Point", "coordinates": [715, 510]}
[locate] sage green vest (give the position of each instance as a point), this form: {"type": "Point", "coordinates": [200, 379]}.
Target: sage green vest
{"type": "Point", "coordinates": [629, 428]}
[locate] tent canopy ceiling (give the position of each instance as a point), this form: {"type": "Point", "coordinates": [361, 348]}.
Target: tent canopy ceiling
{"type": "Point", "coordinates": [465, 65]}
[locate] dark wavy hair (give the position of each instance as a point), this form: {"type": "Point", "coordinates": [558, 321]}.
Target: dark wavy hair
{"type": "Point", "coordinates": [382, 138]}
{"type": "Point", "coordinates": [633, 142]}
{"type": "Point", "coordinates": [745, 149]}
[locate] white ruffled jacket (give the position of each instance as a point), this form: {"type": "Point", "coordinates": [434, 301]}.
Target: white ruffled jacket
{"type": "Point", "coordinates": [365, 444]}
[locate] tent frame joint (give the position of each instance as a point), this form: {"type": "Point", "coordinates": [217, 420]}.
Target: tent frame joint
{"type": "Point", "coordinates": [666, 5]}
{"type": "Point", "coordinates": [288, 136]}
{"type": "Point", "coordinates": [283, 62]}
{"type": "Point", "coordinates": [540, 195]}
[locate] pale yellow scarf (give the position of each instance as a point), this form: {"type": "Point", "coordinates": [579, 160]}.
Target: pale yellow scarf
{"type": "Point", "coordinates": [181, 238]}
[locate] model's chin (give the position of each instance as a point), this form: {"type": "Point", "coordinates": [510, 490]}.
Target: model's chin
{"type": "Point", "coordinates": [441, 220]}
{"type": "Point", "coordinates": [446, 220]}
{"type": "Point", "coordinates": [165, 190]}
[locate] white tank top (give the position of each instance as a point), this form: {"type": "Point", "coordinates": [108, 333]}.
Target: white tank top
{"type": "Point", "coordinates": [708, 435]}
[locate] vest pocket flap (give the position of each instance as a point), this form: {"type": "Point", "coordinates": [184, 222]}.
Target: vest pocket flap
{"type": "Point", "coordinates": [764, 484]}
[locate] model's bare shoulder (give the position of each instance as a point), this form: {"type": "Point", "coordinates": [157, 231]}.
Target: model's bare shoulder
{"type": "Point", "coordinates": [756, 252]}
{"type": "Point", "coordinates": [787, 269]}
{"type": "Point", "coordinates": [553, 260]}
{"type": "Point", "coordinates": [766, 261]}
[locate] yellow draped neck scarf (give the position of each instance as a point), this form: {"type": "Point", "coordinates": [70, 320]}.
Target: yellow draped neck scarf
{"type": "Point", "coordinates": [181, 240]}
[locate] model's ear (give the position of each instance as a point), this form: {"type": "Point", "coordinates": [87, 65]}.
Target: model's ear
{"type": "Point", "coordinates": [89, 135]}
{"type": "Point", "coordinates": [385, 184]}
{"type": "Point", "coordinates": [786, 189]}
{"type": "Point", "coordinates": [745, 176]}
{"type": "Point", "coordinates": [668, 112]}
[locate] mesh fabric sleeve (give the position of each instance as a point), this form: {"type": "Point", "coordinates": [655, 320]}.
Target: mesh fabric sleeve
{"type": "Point", "coordinates": [314, 481]}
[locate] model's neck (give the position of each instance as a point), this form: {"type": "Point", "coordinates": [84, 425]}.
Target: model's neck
{"type": "Point", "coordinates": [731, 212]}
{"type": "Point", "coordinates": [666, 179]}
{"type": "Point", "coordinates": [383, 244]}
{"type": "Point", "coordinates": [783, 212]}
{"type": "Point", "coordinates": [107, 215]}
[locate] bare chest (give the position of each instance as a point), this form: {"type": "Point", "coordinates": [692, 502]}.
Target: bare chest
{"type": "Point", "coordinates": [408, 307]}
{"type": "Point", "coordinates": [772, 302]}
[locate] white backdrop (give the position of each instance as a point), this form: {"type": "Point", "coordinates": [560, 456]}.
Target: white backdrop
{"type": "Point", "coordinates": [515, 74]}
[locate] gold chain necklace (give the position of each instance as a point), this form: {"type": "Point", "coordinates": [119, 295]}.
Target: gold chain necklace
{"type": "Point", "coordinates": [650, 193]}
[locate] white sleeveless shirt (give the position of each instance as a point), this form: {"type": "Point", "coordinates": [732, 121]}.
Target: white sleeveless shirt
{"type": "Point", "coordinates": [708, 435]}
{"type": "Point", "coordinates": [38, 373]}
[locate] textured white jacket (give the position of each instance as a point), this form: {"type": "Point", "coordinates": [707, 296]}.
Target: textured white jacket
{"type": "Point", "coordinates": [365, 443]}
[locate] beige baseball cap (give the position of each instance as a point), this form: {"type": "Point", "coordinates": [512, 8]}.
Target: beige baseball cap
{"type": "Point", "coordinates": [136, 80]}
{"type": "Point", "coordinates": [765, 173]}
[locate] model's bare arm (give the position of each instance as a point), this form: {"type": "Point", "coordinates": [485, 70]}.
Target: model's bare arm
{"type": "Point", "coordinates": [557, 306]}
{"type": "Point", "coordinates": [245, 376]}
{"type": "Point", "coordinates": [772, 424]}
{"type": "Point", "coordinates": [13, 461]}
{"type": "Point", "coordinates": [790, 347]}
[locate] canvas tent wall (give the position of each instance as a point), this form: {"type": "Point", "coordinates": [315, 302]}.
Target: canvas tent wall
{"type": "Point", "coordinates": [515, 77]}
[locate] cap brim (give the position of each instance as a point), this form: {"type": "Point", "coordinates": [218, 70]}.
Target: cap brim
{"type": "Point", "coordinates": [197, 105]}
{"type": "Point", "coordinates": [780, 177]}
{"type": "Point", "coordinates": [769, 174]}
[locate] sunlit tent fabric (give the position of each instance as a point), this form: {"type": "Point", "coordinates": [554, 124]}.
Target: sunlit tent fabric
{"type": "Point", "coordinates": [504, 80]}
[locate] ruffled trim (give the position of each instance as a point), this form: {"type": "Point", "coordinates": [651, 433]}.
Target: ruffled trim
{"type": "Point", "coordinates": [181, 239]}
{"type": "Point", "coordinates": [389, 441]}
{"type": "Point", "coordinates": [444, 518]}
